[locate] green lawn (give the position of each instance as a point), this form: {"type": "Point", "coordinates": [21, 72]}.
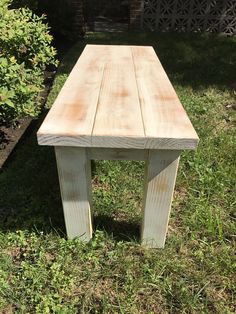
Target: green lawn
{"type": "Point", "coordinates": [42, 272]}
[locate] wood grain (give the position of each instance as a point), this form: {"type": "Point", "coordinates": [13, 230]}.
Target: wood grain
{"type": "Point", "coordinates": [160, 176]}
{"type": "Point", "coordinates": [163, 114]}
{"type": "Point", "coordinates": [71, 117]}
{"type": "Point", "coordinates": [118, 112]}
{"type": "Point", "coordinates": [116, 154]}
{"type": "Point", "coordinates": [75, 183]}
{"type": "Point", "coordinates": [118, 97]}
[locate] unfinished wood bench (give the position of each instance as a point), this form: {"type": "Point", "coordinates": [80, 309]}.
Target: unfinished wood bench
{"type": "Point", "coordinates": [118, 104]}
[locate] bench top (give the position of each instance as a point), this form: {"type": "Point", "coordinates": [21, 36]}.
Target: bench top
{"type": "Point", "coordinates": [118, 97]}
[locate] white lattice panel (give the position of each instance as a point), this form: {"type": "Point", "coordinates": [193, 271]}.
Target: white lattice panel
{"type": "Point", "coordinates": [190, 15]}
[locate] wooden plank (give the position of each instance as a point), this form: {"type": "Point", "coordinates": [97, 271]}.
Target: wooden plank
{"type": "Point", "coordinates": [118, 97]}
{"type": "Point", "coordinates": [118, 122]}
{"type": "Point", "coordinates": [161, 171]}
{"type": "Point", "coordinates": [75, 183]}
{"type": "Point", "coordinates": [166, 123]}
{"type": "Point", "coordinates": [116, 154]}
{"type": "Point", "coordinates": [71, 118]}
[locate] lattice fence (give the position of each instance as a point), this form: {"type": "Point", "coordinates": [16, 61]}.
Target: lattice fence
{"type": "Point", "coordinates": [190, 15]}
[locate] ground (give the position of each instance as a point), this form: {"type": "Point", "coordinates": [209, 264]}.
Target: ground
{"type": "Point", "coordinates": [42, 272]}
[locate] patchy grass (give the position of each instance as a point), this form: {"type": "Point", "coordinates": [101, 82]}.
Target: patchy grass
{"type": "Point", "coordinates": [42, 272]}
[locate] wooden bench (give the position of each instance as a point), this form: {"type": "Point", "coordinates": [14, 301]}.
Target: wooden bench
{"type": "Point", "coordinates": [118, 103]}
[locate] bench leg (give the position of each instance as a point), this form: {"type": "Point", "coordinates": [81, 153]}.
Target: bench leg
{"type": "Point", "coordinates": [160, 176]}
{"type": "Point", "coordinates": [75, 183]}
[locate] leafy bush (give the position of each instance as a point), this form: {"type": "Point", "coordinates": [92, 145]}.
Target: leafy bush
{"type": "Point", "coordinates": [25, 51]}
{"type": "Point", "coordinates": [19, 90]}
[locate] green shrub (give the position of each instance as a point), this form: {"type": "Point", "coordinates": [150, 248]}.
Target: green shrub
{"type": "Point", "coordinates": [25, 36]}
{"type": "Point", "coordinates": [25, 50]}
{"type": "Point", "coordinates": [19, 90]}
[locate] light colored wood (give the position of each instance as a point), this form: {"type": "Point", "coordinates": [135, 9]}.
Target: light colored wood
{"type": "Point", "coordinates": [117, 154]}
{"type": "Point", "coordinates": [118, 113]}
{"type": "Point", "coordinates": [118, 97]}
{"type": "Point", "coordinates": [163, 115]}
{"type": "Point", "coordinates": [71, 118]}
{"type": "Point", "coordinates": [75, 183]}
{"type": "Point", "coordinates": [117, 104]}
{"type": "Point", "coordinates": [161, 171]}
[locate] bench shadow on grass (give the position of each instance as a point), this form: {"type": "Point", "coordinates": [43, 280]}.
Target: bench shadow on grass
{"type": "Point", "coordinates": [30, 194]}
{"type": "Point", "coordinates": [29, 189]}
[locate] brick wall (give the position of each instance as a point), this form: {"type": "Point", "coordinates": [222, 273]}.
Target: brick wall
{"type": "Point", "coordinates": [136, 11]}
{"type": "Point", "coordinates": [135, 22]}
{"type": "Point", "coordinates": [79, 27]}
{"type": "Point", "coordinates": [172, 15]}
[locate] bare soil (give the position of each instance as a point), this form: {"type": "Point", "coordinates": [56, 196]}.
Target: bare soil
{"type": "Point", "coordinates": [9, 137]}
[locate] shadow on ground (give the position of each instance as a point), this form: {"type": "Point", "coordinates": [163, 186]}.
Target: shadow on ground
{"type": "Point", "coordinates": [196, 60]}
{"type": "Point", "coordinates": [30, 194]}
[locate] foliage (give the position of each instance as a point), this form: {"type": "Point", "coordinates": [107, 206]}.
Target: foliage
{"type": "Point", "coordinates": [25, 36]}
{"type": "Point", "coordinates": [19, 91]}
{"type": "Point", "coordinates": [42, 272]}
{"type": "Point", "coordinates": [25, 51]}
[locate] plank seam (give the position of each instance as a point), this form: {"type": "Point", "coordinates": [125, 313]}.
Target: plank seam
{"type": "Point", "coordinates": [138, 93]}
{"type": "Point", "coordinates": [101, 85]}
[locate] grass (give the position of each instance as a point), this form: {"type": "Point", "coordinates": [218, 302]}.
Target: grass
{"type": "Point", "coordinates": [42, 272]}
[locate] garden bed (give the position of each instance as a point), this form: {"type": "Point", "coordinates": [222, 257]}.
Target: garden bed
{"type": "Point", "coordinates": [9, 137]}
